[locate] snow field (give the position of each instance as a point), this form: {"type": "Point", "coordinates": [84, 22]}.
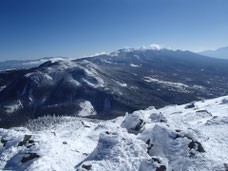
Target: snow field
{"type": "Point", "coordinates": [180, 137]}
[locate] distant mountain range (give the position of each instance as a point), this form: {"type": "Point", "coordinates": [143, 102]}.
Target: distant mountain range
{"type": "Point", "coordinates": [16, 64]}
{"type": "Point", "coordinates": [108, 85]}
{"type": "Point", "coordinates": [218, 53]}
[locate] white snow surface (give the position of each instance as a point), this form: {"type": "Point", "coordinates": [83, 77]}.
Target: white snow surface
{"type": "Point", "coordinates": [86, 109]}
{"type": "Point", "coordinates": [187, 137]}
{"type": "Point", "coordinates": [175, 86]}
{"type": "Point", "coordinates": [13, 107]}
{"type": "Point", "coordinates": [134, 65]}
{"type": "Point", "coordinates": [179, 86]}
{"type": "Point", "coordinates": [121, 84]}
{"type": "Point", "coordinates": [2, 87]}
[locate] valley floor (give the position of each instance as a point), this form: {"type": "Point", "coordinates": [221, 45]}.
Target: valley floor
{"type": "Point", "coordinates": [190, 137]}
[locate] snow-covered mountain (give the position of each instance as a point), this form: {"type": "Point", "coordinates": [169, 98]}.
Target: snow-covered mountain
{"type": "Point", "coordinates": [18, 64]}
{"type": "Point", "coordinates": [218, 53]}
{"type": "Point", "coordinates": [177, 137]}
{"type": "Point", "coordinates": [110, 84]}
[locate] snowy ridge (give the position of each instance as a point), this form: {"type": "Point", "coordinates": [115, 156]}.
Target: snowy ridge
{"type": "Point", "coordinates": [50, 75]}
{"type": "Point", "coordinates": [178, 137]}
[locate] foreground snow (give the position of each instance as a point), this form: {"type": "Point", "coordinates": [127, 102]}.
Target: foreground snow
{"type": "Point", "coordinates": [181, 137]}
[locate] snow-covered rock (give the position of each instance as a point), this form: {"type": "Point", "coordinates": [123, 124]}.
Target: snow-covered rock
{"type": "Point", "coordinates": [176, 137]}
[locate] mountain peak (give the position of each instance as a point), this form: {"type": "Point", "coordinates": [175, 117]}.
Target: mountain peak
{"type": "Point", "coordinates": [153, 47]}
{"type": "Point", "coordinates": [218, 53]}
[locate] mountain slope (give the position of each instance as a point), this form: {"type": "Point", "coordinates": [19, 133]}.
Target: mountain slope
{"type": "Point", "coordinates": [110, 85]}
{"type": "Point", "coordinates": [218, 53]}
{"type": "Point", "coordinates": [178, 137]}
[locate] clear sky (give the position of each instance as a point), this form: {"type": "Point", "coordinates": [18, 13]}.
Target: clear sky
{"type": "Point", "coordinates": [74, 28]}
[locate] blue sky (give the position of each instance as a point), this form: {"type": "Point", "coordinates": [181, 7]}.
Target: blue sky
{"type": "Point", "coordinates": [74, 28]}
